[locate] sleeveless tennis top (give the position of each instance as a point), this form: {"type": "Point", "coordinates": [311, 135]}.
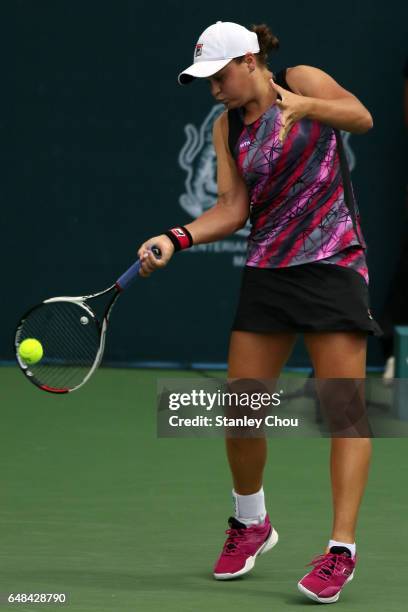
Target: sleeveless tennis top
{"type": "Point", "coordinates": [302, 204]}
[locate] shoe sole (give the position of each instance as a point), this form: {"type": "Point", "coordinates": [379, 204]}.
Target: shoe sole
{"type": "Point", "coordinates": [315, 597]}
{"type": "Point", "coordinates": [269, 543]}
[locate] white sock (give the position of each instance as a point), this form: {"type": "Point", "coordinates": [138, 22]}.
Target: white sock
{"type": "Point", "coordinates": [351, 547]}
{"type": "Point", "coordinates": [250, 509]}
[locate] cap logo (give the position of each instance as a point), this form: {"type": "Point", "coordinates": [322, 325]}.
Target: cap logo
{"type": "Point", "coordinates": [198, 50]}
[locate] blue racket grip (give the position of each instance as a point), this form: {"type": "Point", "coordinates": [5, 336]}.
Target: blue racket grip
{"type": "Point", "coordinates": [132, 273]}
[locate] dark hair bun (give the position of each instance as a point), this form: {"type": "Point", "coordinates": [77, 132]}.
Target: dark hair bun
{"type": "Point", "coordinates": [267, 41]}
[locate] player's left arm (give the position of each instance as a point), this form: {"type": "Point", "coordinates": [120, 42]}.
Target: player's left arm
{"type": "Point", "coordinates": [318, 96]}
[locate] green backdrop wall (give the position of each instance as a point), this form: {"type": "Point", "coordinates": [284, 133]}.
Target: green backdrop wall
{"type": "Point", "coordinates": [107, 150]}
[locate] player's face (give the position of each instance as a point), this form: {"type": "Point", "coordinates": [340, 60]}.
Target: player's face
{"type": "Point", "coordinates": [232, 85]}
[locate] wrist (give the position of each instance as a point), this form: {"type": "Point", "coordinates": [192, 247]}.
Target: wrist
{"type": "Point", "coordinates": [309, 107]}
{"type": "Point", "coordinates": [180, 237]}
{"type": "Point", "coordinates": [169, 242]}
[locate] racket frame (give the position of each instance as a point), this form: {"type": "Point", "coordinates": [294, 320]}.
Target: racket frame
{"type": "Point", "coordinates": [123, 282]}
{"type": "Point", "coordinates": [80, 301]}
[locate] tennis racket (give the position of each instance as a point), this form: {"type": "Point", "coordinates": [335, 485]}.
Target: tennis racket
{"type": "Point", "coordinates": [71, 334]}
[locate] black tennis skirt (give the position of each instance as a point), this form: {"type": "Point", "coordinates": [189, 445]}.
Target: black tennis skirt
{"type": "Point", "coordinates": [305, 298]}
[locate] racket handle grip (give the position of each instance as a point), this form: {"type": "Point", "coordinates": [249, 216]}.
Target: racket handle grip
{"type": "Point", "coordinates": [132, 273]}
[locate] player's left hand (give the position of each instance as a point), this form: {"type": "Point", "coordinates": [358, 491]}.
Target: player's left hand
{"type": "Point", "coordinates": [292, 106]}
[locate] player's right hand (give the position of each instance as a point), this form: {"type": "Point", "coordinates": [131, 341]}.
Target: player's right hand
{"type": "Point", "coordinates": [149, 261]}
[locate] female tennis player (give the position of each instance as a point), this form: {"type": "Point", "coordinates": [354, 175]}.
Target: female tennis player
{"type": "Point", "coordinates": [278, 162]}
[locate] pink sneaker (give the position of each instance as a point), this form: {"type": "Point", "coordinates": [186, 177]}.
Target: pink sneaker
{"type": "Point", "coordinates": [330, 573]}
{"type": "Point", "coordinates": [242, 547]}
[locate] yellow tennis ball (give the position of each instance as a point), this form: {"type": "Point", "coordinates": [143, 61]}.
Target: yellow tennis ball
{"type": "Point", "coordinates": [31, 351]}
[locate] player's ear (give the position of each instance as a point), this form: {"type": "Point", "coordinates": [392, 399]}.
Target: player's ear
{"type": "Point", "coordinates": [250, 61]}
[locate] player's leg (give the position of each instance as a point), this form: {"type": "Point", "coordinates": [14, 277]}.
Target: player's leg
{"type": "Point", "coordinates": [257, 356]}
{"type": "Point", "coordinates": [334, 356]}
{"type": "Point", "coordinates": [251, 356]}
{"type": "Point", "coordinates": [343, 355]}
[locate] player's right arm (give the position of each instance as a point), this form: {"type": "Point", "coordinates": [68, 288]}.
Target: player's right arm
{"type": "Point", "coordinates": [231, 210]}
{"type": "Point", "coordinates": [229, 213]}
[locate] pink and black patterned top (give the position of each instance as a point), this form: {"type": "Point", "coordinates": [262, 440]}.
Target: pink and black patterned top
{"type": "Point", "coordinates": [299, 213]}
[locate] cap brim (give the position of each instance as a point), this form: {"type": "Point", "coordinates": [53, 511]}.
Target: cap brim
{"type": "Point", "coordinates": [201, 70]}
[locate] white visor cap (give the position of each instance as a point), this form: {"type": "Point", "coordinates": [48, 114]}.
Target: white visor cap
{"type": "Point", "coordinates": [216, 47]}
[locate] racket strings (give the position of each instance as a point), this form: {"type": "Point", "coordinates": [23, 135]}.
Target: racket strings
{"type": "Point", "coordinates": [77, 344]}
{"type": "Point", "coordinates": [65, 339]}
{"type": "Point", "coordinates": [70, 338]}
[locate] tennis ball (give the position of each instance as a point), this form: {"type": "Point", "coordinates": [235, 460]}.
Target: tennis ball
{"type": "Point", "coordinates": [31, 351]}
